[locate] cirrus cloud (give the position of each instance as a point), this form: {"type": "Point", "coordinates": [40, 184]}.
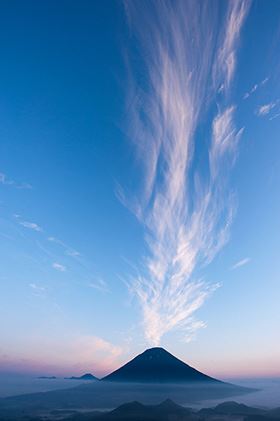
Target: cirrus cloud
{"type": "Point", "coordinates": [59, 267]}
{"type": "Point", "coordinates": [186, 211]}
{"type": "Point", "coordinates": [266, 108]}
{"type": "Point", "coordinates": [240, 263]}
{"type": "Point", "coordinates": [31, 225]}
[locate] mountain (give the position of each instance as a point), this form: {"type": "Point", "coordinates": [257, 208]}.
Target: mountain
{"type": "Point", "coordinates": [230, 409]}
{"type": "Point", "coordinates": [168, 410]}
{"type": "Point", "coordinates": [156, 365]}
{"type": "Point", "coordinates": [87, 376]}
{"type": "Point", "coordinates": [136, 411]}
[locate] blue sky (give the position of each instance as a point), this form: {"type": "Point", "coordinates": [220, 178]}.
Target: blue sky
{"type": "Point", "coordinates": [139, 180]}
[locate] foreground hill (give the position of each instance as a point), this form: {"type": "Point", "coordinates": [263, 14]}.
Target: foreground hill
{"type": "Point", "coordinates": [165, 411]}
{"type": "Point", "coordinates": [136, 411]}
{"type": "Point", "coordinates": [168, 410]}
{"type": "Point", "coordinates": [156, 365]}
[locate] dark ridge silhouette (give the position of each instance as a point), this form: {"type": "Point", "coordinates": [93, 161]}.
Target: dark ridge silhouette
{"type": "Point", "coordinates": [87, 376]}
{"type": "Point", "coordinates": [168, 410]}
{"type": "Point", "coordinates": [231, 408]}
{"type": "Point", "coordinates": [47, 377]}
{"type": "Point", "coordinates": [156, 365]}
{"type": "Point", "coordinates": [136, 411]}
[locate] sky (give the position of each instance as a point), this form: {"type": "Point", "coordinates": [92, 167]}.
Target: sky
{"type": "Point", "coordinates": [139, 181]}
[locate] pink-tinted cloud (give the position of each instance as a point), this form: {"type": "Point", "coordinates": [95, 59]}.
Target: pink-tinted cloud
{"type": "Point", "coordinates": [70, 355]}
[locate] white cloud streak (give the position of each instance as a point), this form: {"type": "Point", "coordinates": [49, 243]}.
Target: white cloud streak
{"type": "Point", "coordinates": [38, 290]}
{"type": "Point", "coordinates": [241, 263]}
{"type": "Point", "coordinates": [59, 267]}
{"type": "Point", "coordinates": [100, 285]}
{"type": "Point", "coordinates": [225, 64]}
{"type": "Point", "coordinates": [67, 250]}
{"type": "Point", "coordinates": [255, 88]}
{"type": "Point", "coordinates": [31, 225]}
{"type": "Point", "coordinates": [185, 210]}
{"type": "Point", "coordinates": [37, 287]}
{"type": "Point", "coordinates": [266, 108]}
{"type": "Point", "coordinates": [6, 181]}
{"type": "Point", "coordinates": [277, 115]}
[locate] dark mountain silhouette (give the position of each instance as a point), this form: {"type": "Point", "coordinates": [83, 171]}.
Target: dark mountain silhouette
{"type": "Point", "coordinates": [136, 411]}
{"type": "Point", "coordinates": [231, 408]}
{"type": "Point", "coordinates": [156, 365]}
{"type": "Point", "coordinates": [87, 376]}
{"type": "Point", "coordinates": [168, 410]}
{"type": "Point", "coordinates": [165, 411]}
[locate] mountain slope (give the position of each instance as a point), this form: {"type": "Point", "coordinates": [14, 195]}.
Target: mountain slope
{"type": "Point", "coordinates": [156, 365]}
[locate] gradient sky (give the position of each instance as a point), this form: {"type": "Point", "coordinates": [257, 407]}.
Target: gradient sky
{"type": "Point", "coordinates": [139, 180]}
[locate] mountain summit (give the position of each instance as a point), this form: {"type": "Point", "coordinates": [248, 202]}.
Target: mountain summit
{"type": "Point", "coordinates": [87, 376]}
{"type": "Point", "coordinates": [156, 365]}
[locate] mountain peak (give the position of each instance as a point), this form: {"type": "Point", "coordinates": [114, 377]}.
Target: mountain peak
{"type": "Point", "coordinates": [156, 350]}
{"type": "Point", "coordinates": [156, 365]}
{"type": "Point", "coordinates": [87, 376]}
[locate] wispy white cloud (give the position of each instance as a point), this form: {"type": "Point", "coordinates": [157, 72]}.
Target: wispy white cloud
{"type": "Point", "coordinates": [225, 63]}
{"type": "Point", "coordinates": [72, 253]}
{"type": "Point", "coordinates": [67, 250]}
{"type": "Point", "coordinates": [255, 87]}
{"type": "Point", "coordinates": [59, 267]}
{"type": "Point", "coordinates": [277, 115]}
{"type": "Point", "coordinates": [247, 94]}
{"type": "Point", "coordinates": [240, 263]}
{"type": "Point", "coordinates": [224, 141]}
{"type": "Point", "coordinates": [31, 225]}
{"type": "Point", "coordinates": [264, 81]}
{"type": "Point", "coordinates": [191, 329]}
{"type": "Point", "coordinates": [37, 287]}
{"type": "Point", "coordinates": [5, 180]}
{"type": "Point", "coordinates": [265, 109]}
{"type": "Point", "coordinates": [27, 224]}
{"type": "Point", "coordinates": [100, 285]}
{"type": "Point", "coordinates": [38, 290]}
{"type": "Point", "coordinates": [186, 212]}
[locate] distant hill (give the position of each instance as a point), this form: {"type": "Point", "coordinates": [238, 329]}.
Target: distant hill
{"type": "Point", "coordinates": [231, 408]}
{"type": "Point", "coordinates": [168, 410]}
{"type": "Point", "coordinates": [87, 376]}
{"type": "Point", "coordinates": [136, 411]}
{"type": "Point", "coordinates": [156, 365]}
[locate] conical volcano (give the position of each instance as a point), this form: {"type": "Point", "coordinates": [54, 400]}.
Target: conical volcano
{"type": "Point", "coordinates": [156, 365]}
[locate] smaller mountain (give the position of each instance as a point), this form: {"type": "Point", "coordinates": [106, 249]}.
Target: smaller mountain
{"type": "Point", "coordinates": [47, 377]}
{"type": "Point", "coordinates": [136, 411]}
{"type": "Point", "coordinates": [168, 405]}
{"type": "Point", "coordinates": [230, 409]}
{"type": "Point", "coordinates": [275, 413]}
{"type": "Point", "coordinates": [87, 376]}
